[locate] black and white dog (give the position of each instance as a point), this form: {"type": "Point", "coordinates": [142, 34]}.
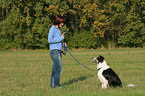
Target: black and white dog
{"type": "Point", "coordinates": [105, 74]}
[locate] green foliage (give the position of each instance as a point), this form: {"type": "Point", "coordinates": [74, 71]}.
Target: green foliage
{"type": "Point", "coordinates": [24, 24]}
{"type": "Point", "coordinates": [84, 39]}
{"type": "Point", "coordinates": [67, 33]}
{"type": "Point", "coordinates": [5, 44]}
{"type": "Point", "coordinates": [132, 34]}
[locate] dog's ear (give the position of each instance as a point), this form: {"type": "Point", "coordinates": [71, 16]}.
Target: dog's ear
{"type": "Point", "coordinates": [101, 58]}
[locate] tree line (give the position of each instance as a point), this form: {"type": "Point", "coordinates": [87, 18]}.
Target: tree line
{"type": "Point", "coordinates": [24, 24]}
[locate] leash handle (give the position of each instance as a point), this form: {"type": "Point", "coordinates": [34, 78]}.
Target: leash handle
{"type": "Point", "coordinates": [65, 49]}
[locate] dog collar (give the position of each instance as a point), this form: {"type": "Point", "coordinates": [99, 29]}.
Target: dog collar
{"type": "Point", "coordinates": [99, 68]}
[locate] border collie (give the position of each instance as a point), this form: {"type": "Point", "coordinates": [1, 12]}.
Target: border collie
{"type": "Point", "coordinates": [105, 74]}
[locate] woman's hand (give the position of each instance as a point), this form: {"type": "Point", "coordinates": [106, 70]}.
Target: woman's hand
{"type": "Point", "coordinates": [65, 44]}
{"type": "Point", "coordinates": [63, 35]}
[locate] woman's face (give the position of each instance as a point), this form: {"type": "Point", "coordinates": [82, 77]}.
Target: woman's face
{"type": "Point", "coordinates": [60, 25]}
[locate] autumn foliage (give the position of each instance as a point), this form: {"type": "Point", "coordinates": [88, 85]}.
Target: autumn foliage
{"type": "Point", "coordinates": [24, 24]}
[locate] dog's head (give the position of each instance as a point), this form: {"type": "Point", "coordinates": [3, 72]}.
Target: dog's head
{"type": "Point", "coordinates": [99, 59]}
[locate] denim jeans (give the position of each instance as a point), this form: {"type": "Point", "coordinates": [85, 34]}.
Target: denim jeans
{"type": "Point", "coordinates": [57, 67]}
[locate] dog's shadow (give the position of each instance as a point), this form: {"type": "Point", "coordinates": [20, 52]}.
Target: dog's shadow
{"type": "Point", "coordinates": [82, 78]}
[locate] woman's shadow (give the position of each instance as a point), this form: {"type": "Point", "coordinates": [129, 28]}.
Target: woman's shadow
{"type": "Point", "coordinates": [76, 80]}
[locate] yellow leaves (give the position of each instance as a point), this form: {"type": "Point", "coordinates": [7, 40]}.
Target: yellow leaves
{"type": "Point", "coordinates": [96, 22]}
{"type": "Point", "coordinates": [72, 11]}
{"type": "Point", "coordinates": [28, 23]}
{"type": "Point", "coordinates": [101, 11]}
{"type": "Point", "coordinates": [76, 6]}
{"type": "Point", "coordinates": [23, 20]}
{"type": "Point", "coordinates": [99, 33]}
{"type": "Point", "coordinates": [95, 34]}
{"type": "Point", "coordinates": [79, 6]}
{"type": "Point", "coordinates": [51, 7]}
{"type": "Point", "coordinates": [100, 27]}
{"type": "Point", "coordinates": [19, 5]}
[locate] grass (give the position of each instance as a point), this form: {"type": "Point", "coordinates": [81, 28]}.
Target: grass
{"type": "Point", "coordinates": [27, 73]}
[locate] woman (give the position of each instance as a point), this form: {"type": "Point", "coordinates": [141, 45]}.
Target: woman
{"type": "Point", "coordinates": [55, 42]}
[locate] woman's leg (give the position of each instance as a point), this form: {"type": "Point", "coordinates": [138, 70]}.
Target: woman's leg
{"type": "Point", "coordinates": [57, 68]}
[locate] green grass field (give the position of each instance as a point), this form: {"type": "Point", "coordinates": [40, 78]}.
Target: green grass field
{"type": "Point", "coordinates": [27, 73]}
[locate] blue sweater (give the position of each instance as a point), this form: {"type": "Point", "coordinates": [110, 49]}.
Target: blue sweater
{"type": "Point", "coordinates": [55, 38]}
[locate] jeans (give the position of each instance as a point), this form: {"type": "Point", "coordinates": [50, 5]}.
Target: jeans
{"type": "Point", "coordinates": [57, 67]}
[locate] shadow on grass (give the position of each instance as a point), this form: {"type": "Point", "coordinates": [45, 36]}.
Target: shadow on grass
{"type": "Point", "coordinates": [82, 78]}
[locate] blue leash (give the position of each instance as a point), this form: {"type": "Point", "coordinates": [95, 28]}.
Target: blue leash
{"type": "Point", "coordinates": [82, 64]}
{"type": "Point", "coordinates": [65, 49]}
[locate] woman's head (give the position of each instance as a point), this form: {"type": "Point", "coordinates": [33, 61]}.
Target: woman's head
{"type": "Point", "coordinates": [58, 20]}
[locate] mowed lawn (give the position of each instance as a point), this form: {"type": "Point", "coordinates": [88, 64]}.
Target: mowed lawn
{"type": "Point", "coordinates": [27, 73]}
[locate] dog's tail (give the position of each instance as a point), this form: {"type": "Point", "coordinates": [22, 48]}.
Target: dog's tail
{"type": "Point", "coordinates": [130, 85]}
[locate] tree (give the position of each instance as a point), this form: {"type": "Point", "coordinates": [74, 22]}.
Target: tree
{"type": "Point", "coordinates": [133, 31]}
{"type": "Point", "coordinates": [25, 23]}
{"type": "Point", "coordinates": [36, 36]}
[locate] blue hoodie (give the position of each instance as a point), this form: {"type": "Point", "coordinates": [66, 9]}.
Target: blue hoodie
{"type": "Point", "coordinates": [55, 38]}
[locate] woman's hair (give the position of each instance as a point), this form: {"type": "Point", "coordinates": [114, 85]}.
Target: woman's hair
{"type": "Point", "coordinates": [58, 19]}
